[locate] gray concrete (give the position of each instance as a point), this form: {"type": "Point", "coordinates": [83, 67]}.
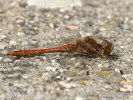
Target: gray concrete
{"type": "Point", "coordinates": [66, 76]}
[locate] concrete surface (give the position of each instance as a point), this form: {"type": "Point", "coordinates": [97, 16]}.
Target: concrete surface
{"type": "Point", "coordinates": [65, 76]}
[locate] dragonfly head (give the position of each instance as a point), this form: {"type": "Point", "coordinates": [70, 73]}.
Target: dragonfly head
{"type": "Point", "coordinates": [107, 47]}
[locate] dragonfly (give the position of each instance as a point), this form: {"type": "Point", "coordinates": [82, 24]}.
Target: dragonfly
{"type": "Point", "coordinates": [91, 45]}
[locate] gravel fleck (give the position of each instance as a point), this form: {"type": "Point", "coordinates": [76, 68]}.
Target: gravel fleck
{"type": "Point", "coordinates": [13, 43]}
{"type": "Point", "coordinates": [7, 60]}
{"type": "Point", "coordinates": [2, 46]}
{"type": "Point", "coordinates": [79, 98]}
{"type": "Point", "coordinates": [67, 85]}
{"type": "Point", "coordinates": [51, 25]}
{"type": "Point", "coordinates": [72, 27]}
{"type": "Point", "coordinates": [1, 58]}
{"type": "Point", "coordinates": [20, 34]}
{"type": "Point", "coordinates": [128, 77]}
{"type": "Point", "coordinates": [2, 37]}
{"type": "Point", "coordinates": [20, 21]}
{"type": "Point", "coordinates": [51, 68]}
{"type": "Point", "coordinates": [126, 88]}
{"type": "Point", "coordinates": [99, 65]}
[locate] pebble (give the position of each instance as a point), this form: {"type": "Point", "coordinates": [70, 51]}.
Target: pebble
{"type": "Point", "coordinates": [66, 17]}
{"type": "Point", "coordinates": [117, 70]}
{"type": "Point", "coordinates": [19, 84]}
{"type": "Point", "coordinates": [126, 19]}
{"type": "Point", "coordinates": [15, 76]}
{"type": "Point", "coordinates": [109, 16]}
{"type": "Point", "coordinates": [68, 78]}
{"type": "Point", "coordinates": [102, 29]}
{"type": "Point", "coordinates": [62, 10]}
{"type": "Point", "coordinates": [72, 27]}
{"type": "Point", "coordinates": [2, 46]}
{"type": "Point", "coordinates": [126, 88]}
{"type": "Point", "coordinates": [33, 42]}
{"type": "Point", "coordinates": [51, 25]}
{"type": "Point", "coordinates": [35, 28]}
{"type": "Point", "coordinates": [128, 77]}
{"type": "Point", "coordinates": [20, 21]}
{"type": "Point", "coordinates": [26, 76]}
{"type": "Point", "coordinates": [67, 85]}
{"type": "Point", "coordinates": [20, 34]}
{"type": "Point", "coordinates": [13, 43]}
{"type": "Point", "coordinates": [55, 63]}
{"type": "Point", "coordinates": [108, 87]}
{"type": "Point", "coordinates": [7, 60]}
{"type": "Point", "coordinates": [79, 98]}
{"type": "Point", "coordinates": [72, 59]}
{"type": "Point", "coordinates": [3, 37]}
{"type": "Point", "coordinates": [44, 58]}
{"type": "Point", "coordinates": [1, 58]}
{"type": "Point", "coordinates": [99, 65]}
{"type": "Point", "coordinates": [51, 68]}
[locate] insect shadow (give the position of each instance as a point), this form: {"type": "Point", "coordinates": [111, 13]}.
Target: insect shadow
{"type": "Point", "coordinates": [80, 55]}
{"type": "Point", "coordinates": [61, 54]}
{"type": "Point", "coordinates": [111, 57]}
{"type": "Point", "coordinates": [114, 57]}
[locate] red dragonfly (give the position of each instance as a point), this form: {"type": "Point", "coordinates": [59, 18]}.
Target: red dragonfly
{"type": "Point", "coordinates": [91, 45]}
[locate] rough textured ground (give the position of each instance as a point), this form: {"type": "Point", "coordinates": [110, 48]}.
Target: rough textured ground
{"type": "Point", "coordinates": [64, 76]}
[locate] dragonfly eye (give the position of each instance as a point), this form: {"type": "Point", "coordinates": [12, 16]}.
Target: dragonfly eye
{"type": "Point", "coordinates": [107, 47]}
